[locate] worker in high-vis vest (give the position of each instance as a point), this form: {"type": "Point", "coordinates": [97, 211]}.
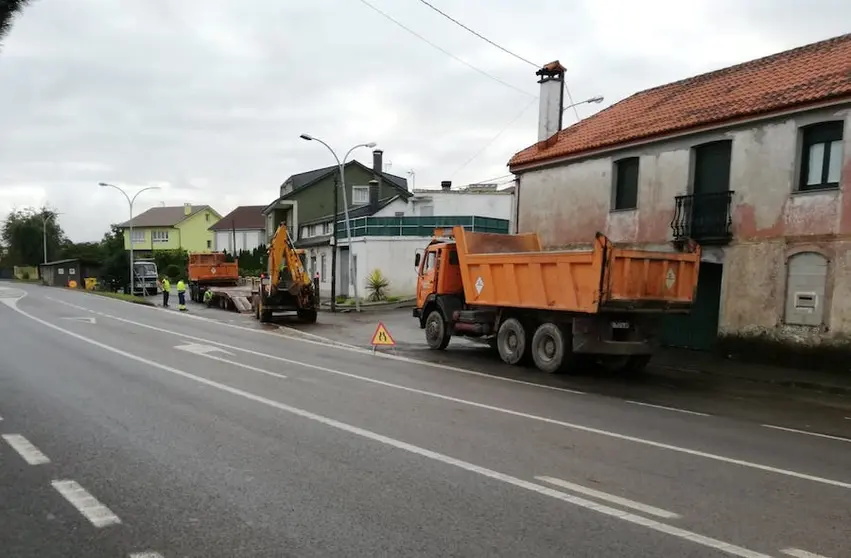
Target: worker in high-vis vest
{"type": "Point", "coordinates": [166, 291]}
{"type": "Point", "coordinates": [181, 295]}
{"type": "Point", "coordinates": [208, 297]}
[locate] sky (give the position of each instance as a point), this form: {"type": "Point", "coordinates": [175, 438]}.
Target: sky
{"type": "Point", "coordinates": [206, 99]}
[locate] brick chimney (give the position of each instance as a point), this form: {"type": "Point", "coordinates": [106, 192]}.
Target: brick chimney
{"type": "Point", "coordinates": [551, 105]}
{"type": "Point", "coordinates": [446, 185]}
{"type": "Point", "coordinates": [373, 196]}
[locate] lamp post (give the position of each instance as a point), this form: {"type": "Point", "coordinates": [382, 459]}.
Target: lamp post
{"type": "Point", "coordinates": [595, 99]}
{"type": "Point", "coordinates": [45, 215]}
{"type": "Point", "coordinates": [342, 166]}
{"type": "Point", "coordinates": [130, 222]}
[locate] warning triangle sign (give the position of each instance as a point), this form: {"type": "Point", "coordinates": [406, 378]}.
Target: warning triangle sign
{"type": "Point", "coordinates": [382, 336]}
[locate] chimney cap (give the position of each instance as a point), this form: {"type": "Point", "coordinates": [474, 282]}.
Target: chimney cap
{"type": "Point", "coordinates": [552, 69]}
{"type": "Point", "coordinates": [378, 150]}
{"type": "Point", "coordinates": [373, 181]}
{"type": "Point", "coordinates": [446, 184]}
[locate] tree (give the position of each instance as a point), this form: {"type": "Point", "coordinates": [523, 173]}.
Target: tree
{"type": "Point", "coordinates": [8, 10]}
{"type": "Point", "coordinates": [23, 235]}
{"type": "Point", "coordinates": [115, 258]}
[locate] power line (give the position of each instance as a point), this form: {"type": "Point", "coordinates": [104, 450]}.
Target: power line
{"type": "Point", "coordinates": [500, 47]}
{"type": "Point", "coordinates": [493, 139]}
{"type": "Point", "coordinates": [443, 50]}
{"type": "Point", "coordinates": [477, 34]}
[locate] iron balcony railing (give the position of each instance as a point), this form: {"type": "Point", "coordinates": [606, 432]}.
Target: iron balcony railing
{"type": "Point", "coordinates": [419, 226]}
{"type": "Point", "coordinates": [705, 218]}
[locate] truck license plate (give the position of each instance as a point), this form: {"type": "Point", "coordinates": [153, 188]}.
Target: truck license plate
{"type": "Point", "coordinates": [620, 325]}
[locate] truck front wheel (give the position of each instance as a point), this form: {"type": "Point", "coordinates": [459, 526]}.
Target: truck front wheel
{"type": "Point", "coordinates": [511, 341]}
{"type": "Point", "coordinates": [548, 348]}
{"type": "Point", "coordinates": [437, 334]}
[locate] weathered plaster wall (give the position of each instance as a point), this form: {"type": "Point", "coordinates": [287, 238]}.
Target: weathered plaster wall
{"type": "Point", "coordinates": [567, 204]}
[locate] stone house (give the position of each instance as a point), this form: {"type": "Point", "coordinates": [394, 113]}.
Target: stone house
{"type": "Point", "coordinates": [751, 161]}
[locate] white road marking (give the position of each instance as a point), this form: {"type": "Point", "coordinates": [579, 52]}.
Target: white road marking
{"type": "Point", "coordinates": [26, 449]}
{"type": "Point", "coordinates": [84, 319]}
{"type": "Point", "coordinates": [88, 505]}
{"type": "Point", "coordinates": [146, 555]}
{"type": "Point", "coordinates": [611, 498]}
{"type": "Point", "coordinates": [91, 508]}
{"type": "Point", "coordinates": [808, 433]}
{"type": "Point", "coordinates": [328, 343]}
{"type": "Point", "coordinates": [798, 553]}
{"type": "Point", "coordinates": [204, 350]}
{"type": "Point", "coordinates": [574, 426]}
{"type": "Point", "coordinates": [686, 411]}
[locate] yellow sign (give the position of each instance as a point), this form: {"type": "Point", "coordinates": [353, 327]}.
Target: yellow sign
{"type": "Point", "coordinates": [72, 284]}
{"type": "Point", "coordinates": [382, 336]}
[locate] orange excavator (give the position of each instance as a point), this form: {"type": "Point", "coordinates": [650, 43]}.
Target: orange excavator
{"type": "Point", "coordinates": [286, 285]}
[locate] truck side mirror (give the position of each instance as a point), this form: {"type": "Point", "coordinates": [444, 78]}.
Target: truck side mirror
{"type": "Point", "coordinates": [417, 259]}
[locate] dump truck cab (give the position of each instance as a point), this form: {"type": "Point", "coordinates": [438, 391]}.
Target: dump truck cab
{"type": "Point", "coordinates": [438, 274]}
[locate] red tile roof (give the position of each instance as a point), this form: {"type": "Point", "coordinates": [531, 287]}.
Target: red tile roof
{"type": "Point", "coordinates": [795, 78]}
{"type": "Point", "coordinates": [243, 217]}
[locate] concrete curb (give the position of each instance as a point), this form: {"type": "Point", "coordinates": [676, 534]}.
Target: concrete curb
{"type": "Point", "coordinates": [781, 382]}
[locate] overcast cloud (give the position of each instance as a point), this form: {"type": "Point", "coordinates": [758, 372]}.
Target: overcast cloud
{"type": "Point", "coordinates": [207, 98]}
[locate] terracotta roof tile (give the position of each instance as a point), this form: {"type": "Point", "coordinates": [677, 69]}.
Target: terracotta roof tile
{"type": "Point", "coordinates": [242, 218]}
{"type": "Point", "coordinates": [794, 78]}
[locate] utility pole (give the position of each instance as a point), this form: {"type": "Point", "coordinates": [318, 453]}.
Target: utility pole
{"type": "Point", "coordinates": [334, 248]}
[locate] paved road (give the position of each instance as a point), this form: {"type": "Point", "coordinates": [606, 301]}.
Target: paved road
{"type": "Point", "coordinates": [131, 430]}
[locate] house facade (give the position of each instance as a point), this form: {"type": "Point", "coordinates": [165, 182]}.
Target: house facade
{"type": "Point", "coordinates": [752, 162]}
{"type": "Point", "coordinates": [172, 228]}
{"type": "Point", "coordinates": [244, 228]}
{"type": "Point", "coordinates": [306, 204]}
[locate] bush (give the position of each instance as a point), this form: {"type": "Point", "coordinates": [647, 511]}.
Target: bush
{"type": "Point", "coordinates": [172, 271]}
{"type": "Point", "coordinates": [377, 285]}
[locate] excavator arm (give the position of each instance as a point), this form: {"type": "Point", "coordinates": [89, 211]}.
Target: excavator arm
{"type": "Point", "coordinates": [282, 249]}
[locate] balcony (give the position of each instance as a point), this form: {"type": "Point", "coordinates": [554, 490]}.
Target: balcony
{"type": "Point", "coordinates": [704, 218]}
{"type": "Point", "coordinates": [419, 226]}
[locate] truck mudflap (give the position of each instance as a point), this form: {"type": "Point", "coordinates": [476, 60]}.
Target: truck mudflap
{"type": "Point", "coordinates": [614, 334]}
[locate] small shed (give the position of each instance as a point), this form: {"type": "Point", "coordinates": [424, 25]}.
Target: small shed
{"type": "Point", "coordinates": [66, 273]}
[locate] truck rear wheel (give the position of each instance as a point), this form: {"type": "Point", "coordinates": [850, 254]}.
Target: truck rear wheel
{"type": "Point", "coordinates": [436, 332]}
{"type": "Point", "coordinates": [548, 348]}
{"type": "Point", "coordinates": [511, 341]}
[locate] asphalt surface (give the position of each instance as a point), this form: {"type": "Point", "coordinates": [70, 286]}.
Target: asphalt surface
{"type": "Point", "coordinates": [197, 437]}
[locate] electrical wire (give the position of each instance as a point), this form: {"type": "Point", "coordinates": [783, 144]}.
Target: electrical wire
{"type": "Point", "coordinates": [443, 50]}
{"type": "Point", "coordinates": [477, 34]}
{"type": "Point", "coordinates": [500, 47]}
{"type": "Point", "coordinates": [493, 139]}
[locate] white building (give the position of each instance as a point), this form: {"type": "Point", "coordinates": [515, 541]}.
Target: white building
{"type": "Point", "coordinates": [244, 228]}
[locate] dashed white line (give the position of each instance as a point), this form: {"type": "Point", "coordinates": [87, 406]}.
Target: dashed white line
{"type": "Point", "coordinates": [798, 553]}
{"type": "Point", "coordinates": [26, 449]}
{"type": "Point", "coordinates": [91, 508]}
{"type": "Point", "coordinates": [611, 498]}
{"type": "Point", "coordinates": [146, 555]}
{"type": "Point", "coordinates": [808, 433]}
{"type": "Point", "coordinates": [686, 411]}
{"type": "Point", "coordinates": [530, 416]}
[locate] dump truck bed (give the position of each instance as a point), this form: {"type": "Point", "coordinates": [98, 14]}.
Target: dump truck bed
{"type": "Point", "coordinates": [212, 269]}
{"type": "Point", "coordinates": [502, 270]}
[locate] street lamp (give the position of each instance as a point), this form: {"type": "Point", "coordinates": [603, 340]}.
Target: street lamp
{"type": "Point", "coordinates": [596, 99]}
{"type": "Point", "coordinates": [342, 165]}
{"type": "Point", "coordinates": [45, 215]}
{"type": "Point", "coordinates": [130, 224]}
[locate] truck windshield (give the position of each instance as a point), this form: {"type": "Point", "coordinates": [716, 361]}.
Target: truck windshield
{"type": "Point", "coordinates": [145, 269]}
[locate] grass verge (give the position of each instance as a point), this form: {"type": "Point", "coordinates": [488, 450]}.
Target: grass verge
{"type": "Point", "coordinates": [125, 297]}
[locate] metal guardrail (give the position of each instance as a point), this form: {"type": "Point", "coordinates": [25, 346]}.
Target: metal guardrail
{"type": "Point", "coordinates": [419, 226]}
{"type": "Point", "coordinates": [705, 218]}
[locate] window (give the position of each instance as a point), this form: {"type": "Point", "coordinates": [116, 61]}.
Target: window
{"type": "Point", "coordinates": [428, 265]}
{"type": "Point", "coordinates": [326, 228]}
{"type": "Point", "coordinates": [209, 244]}
{"type": "Point", "coordinates": [305, 232]}
{"type": "Point", "coordinates": [806, 278]}
{"type": "Point", "coordinates": [323, 268]}
{"type": "Point", "coordinates": [821, 156]}
{"type": "Point", "coordinates": [360, 194]}
{"type": "Point", "coordinates": [159, 236]}
{"type": "Point", "coordinates": [315, 230]}
{"type": "Point", "coordinates": [137, 236]}
{"type": "Point", "coordinates": [313, 265]}
{"type": "Point", "coordinates": [71, 271]}
{"type": "Point", "coordinates": [626, 184]}
{"type": "Point", "coordinates": [399, 214]}
{"type": "Point", "coordinates": [207, 217]}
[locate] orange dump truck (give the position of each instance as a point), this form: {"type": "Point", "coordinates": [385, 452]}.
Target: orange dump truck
{"type": "Point", "coordinates": [553, 307]}
{"type": "Point", "coordinates": [208, 270]}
